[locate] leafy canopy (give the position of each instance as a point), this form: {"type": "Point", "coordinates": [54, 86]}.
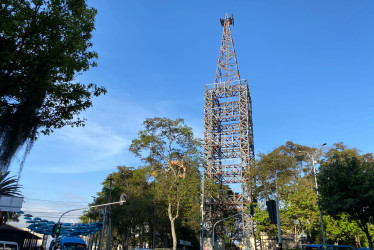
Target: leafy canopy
{"type": "Point", "coordinates": [43, 45]}
{"type": "Point", "coordinates": [346, 185]}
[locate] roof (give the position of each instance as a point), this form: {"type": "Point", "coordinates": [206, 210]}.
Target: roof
{"type": "Point", "coordinates": [6, 229]}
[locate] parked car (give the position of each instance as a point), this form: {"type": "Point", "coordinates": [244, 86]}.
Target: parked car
{"type": "Point", "coordinates": [8, 245]}
{"type": "Point", "coordinates": [328, 247]}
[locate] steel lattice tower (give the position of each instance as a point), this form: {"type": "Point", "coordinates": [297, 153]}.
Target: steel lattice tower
{"type": "Point", "coordinates": [228, 137]}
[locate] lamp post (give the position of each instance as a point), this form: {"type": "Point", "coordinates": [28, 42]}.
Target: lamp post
{"type": "Point", "coordinates": [278, 224]}
{"type": "Point", "coordinates": [319, 208]}
{"type": "Point", "coordinates": [312, 156]}
{"type": "Point", "coordinates": [221, 221]}
{"type": "Point", "coordinates": [202, 212]}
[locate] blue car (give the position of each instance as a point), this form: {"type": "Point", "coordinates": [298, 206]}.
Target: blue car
{"type": "Point", "coordinates": [328, 247]}
{"type": "Point", "coordinates": [68, 243]}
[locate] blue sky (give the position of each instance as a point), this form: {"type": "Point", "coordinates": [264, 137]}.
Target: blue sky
{"type": "Point", "coordinates": [309, 65]}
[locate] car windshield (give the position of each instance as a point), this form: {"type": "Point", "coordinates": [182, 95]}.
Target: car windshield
{"type": "Point", "coordinates": [74, 246]}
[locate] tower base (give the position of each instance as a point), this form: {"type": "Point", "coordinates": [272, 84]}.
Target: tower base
{"type": "Point", "coordinates": [247, 243]}
{"type": "Point", "coordinates": [219, 244]}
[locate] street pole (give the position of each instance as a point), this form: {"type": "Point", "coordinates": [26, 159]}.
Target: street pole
{"type": "Point", "coordinates": [319, 208]}
{"type": "Point", "coordinates": [202, 212]}
{"type": "Point", "coordinates": [278, 224]}
{"type": "Point", "coordinates": [219, 222]}
{"type": "Point", "coordinates": [312, 156]}
{"type": "Point", "coordinates": [102, 230]}
{"type": "Point", "coordinates": [108, 245]}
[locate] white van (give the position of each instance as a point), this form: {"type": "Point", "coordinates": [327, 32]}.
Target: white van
{"type": "Point", "coordinates": [8, 245]}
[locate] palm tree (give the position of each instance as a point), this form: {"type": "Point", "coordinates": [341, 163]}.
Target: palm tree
{"type": "Point", "coordinates": [9, 185]}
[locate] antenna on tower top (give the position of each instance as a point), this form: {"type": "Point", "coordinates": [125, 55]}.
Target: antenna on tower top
{"type": "Point", "coordinates": [228, 19]}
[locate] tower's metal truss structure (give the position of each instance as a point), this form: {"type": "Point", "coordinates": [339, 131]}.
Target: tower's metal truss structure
{"type": "Point", "coordinates": [228, 137]}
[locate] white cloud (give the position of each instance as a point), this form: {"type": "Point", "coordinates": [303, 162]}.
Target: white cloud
{"type": "Point", "coordinates": [103, 143]}
{"type": "Point", "coordinates": [100, 141]}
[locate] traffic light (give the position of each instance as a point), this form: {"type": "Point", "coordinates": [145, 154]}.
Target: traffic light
{"type": "Point", "coordinates": [252, 209]}
{"type": "Point", "coordinates": [56, 230]}
{"type": "Point", "coordinates": [272, 210]}
{"type": "Point", "coordinates": [122, 199]}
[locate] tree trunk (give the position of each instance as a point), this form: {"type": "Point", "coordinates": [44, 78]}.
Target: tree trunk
{"type": "Point", "coordinates": [173, 234]}
{"type": "Point", "coordinates": [364, 227]}
{"type": "Point", "coordinates": [172, 224]}
{"type": "Point", "coordinates": [366, 231]}
{"type": "Point", "coordinates": [357, 240]}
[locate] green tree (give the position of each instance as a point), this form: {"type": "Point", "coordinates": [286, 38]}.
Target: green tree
{"type": "Point", "coordinates": [346, 185]}
{"type": "Point", "coordinates": [170, 149]}
{"type": "Point", "coordinates": [287, 171]}
{"type": "Point", "coordinates": [131, 219]}
{"type": "Point", "coordinates": [278, 168]}
{"type": "Point", "coordinates": [300, 210]}
{"type": "Point", "coordinates": [43, 45]}
{"type": "Point", "coordinates": [273, 172]}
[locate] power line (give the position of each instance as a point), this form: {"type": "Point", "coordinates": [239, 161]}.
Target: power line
{"type": "Point", "coordinates": [46, 210]}
{"type": "Point", "coordinates": [52, 209]}
{"type": "Point", "coordinates": [80, 202]}
{"type": "Point", "coordinates": [48, 213]}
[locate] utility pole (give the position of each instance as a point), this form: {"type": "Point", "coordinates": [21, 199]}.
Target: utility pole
{"type": "Point", "coordinates": [108, 245]}
{"type": "Point", "coordinates": [319, 208]}
{"type": "Point", "coordinates": [312, 157]}
{"type": "Point", "coordinates": [278, 224]}
{"type": "Point", "coordinates": [102, 229]}
{"type": "Point", "coordinates": [202, 212]}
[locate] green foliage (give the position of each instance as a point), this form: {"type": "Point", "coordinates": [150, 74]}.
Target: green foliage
{"type": "Point", "coordinates": [43, 45]}
{"type": "Point", "coordinates": [343, 231]}
{"type": "Point", "coordinates": [300, 210]}
{"type": "Point", "coordinates": [279, 168]}
{"type": "Point", "coordinates": [9, 185]}
{"type": "Point", "coordinates": [347, 186]}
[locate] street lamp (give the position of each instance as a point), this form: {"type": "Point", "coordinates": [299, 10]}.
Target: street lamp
{"type": "Point", "coordinates": [312, 156]}
{"type": "Point", "coordinates": [219, 222]}
{"type": "Point", "coordinates": [121, 201]}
